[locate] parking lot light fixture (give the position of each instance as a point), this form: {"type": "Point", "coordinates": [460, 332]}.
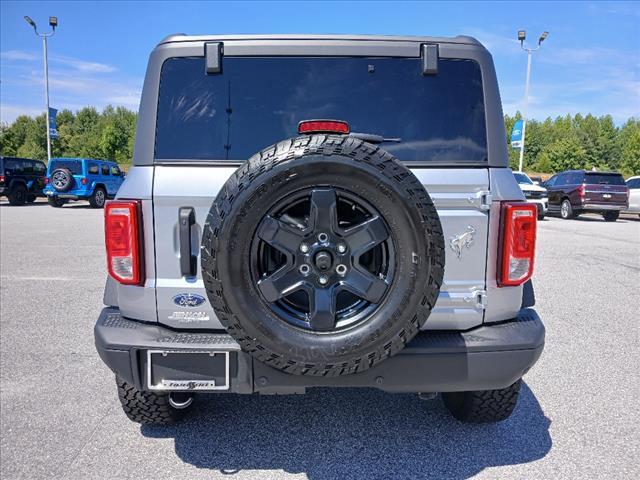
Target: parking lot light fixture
{"type": "Point", "coordinates": [53, 22]}
{"type": "Point", "coordinates": [529, 50]}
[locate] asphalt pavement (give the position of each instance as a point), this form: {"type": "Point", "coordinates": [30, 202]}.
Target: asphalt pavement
{"type": "Point", "coordinates": [578, 413]}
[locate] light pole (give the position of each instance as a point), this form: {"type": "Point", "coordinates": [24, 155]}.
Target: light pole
{"type": "Point", "coordinates": [521, 37]}
{"type": "Point", "coordinates": [53, 22]}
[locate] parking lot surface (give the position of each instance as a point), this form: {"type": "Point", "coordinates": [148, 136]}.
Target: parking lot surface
{"type": "Point", "coordinates": [578, 413]}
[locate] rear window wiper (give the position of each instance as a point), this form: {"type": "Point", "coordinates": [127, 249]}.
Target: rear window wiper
{"type": "Point", "coordinates": [373, 138]}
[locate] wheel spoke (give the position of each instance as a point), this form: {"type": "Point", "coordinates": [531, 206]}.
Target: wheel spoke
{"type": "Point", "coordinates": [280, 235]}
{"type": "Point", "coordinates": [280, 283]}
{"type": "Point", "coordinates": [366, 235]}
{"type": "Point", "coordinates": [324, 213]}
{"type": "Point", "coordinates": [365, 285]}
{"type": "Point", "coordinates": [323, 309]}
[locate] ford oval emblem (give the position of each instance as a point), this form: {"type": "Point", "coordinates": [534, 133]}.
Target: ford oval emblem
{"type": "Point", "coordinates": [189, 300]}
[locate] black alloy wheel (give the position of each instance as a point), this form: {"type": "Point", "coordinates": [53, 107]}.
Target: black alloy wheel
{"type": "Point", "coordinates": [322, 259]}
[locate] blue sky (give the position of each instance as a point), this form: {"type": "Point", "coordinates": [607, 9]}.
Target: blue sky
{"type": "Point", "coordinates": [589, 64]}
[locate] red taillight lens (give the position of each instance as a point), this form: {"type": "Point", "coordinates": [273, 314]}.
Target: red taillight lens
{"type": "Point", "coordinates": [84, 181]}
{"type": "Point", "coordinates": [46, 181]}
{"type": "Point", "coordinates": [2, 178]}
{"type": "Point", "coordinates": [581, 190]}
{"type": "Point", "coordinates": [122, 222]}
{"type": "Point", "coordinates": [518, 243]}
{"type": "Point", "coordinates": [323, 126]}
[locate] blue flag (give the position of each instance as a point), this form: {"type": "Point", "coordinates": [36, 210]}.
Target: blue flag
{"type": "Point", "coordinates": [516, 134]}
{"type": "Point", "coordinates": [53, 128]}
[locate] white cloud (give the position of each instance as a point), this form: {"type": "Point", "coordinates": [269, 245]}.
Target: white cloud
{"type": "Point", "coordinates": [73, 84]}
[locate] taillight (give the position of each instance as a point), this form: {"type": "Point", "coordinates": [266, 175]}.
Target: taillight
{"type": "Point", "coordinates": [518, 243]}
{"type": "Point", "coordinates": [122, 230]}
{"type": "Point", "coordinates": [46, 180]}
{"type": "Point", "coordinates": [323, 126]}
{"type": "Point", "coordinates": [1, 178]}
{"type": "Point", "coordinates": [581, 191]}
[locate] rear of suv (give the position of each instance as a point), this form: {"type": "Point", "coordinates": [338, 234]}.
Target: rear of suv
{"type": "Point", "coordinates": [21, 179]}
{"type": "Point", "coordinates": [82, 179]}
{"type": "Point", "coordinates": [574, 192]}
{"type": "Point", "coordinates": [319, 211]}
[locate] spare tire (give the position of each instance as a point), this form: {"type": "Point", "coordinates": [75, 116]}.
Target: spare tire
{"type": "Point", "coordinates": [61, 179]}
{"type": "Point", "coordinates": [322, 255]}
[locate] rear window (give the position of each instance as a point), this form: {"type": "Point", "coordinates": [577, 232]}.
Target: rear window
{"type": "Point", "coordinates": [256, 102]}
{"type": "Point", "coordinates": [74, 166]}
{"type": "Point", "coordinates": [604, 179]}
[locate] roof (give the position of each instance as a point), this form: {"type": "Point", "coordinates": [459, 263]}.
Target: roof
{"type": "Point", "coordinates": [182, 37]}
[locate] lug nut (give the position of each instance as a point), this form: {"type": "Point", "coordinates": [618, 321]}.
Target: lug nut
{"type": "Point", "coordinates": [304, 269]}
{"type": "Point", "coordinates": [342, 247]}
{"type": "Point", "coordinates": [323, 280]}
{"type": "Point", "coordinates": [304, 248]}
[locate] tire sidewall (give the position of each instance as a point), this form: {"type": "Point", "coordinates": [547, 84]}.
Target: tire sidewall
{"type": "Point", "coordinates": [413, 246]}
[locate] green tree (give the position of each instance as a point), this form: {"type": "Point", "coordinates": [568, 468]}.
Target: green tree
{"type": "Point", "coordinates": [565, 154]}
{"type": "Point", "coordinates": [629, 144]}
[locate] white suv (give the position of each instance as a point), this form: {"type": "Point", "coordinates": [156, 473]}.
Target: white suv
{"type": "Point", "coordinates": [533, 193]}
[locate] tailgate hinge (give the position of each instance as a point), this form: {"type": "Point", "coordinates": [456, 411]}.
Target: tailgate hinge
{"type": "Point", "coordinates": [483, 199]}
{"type": "Point", "coordinates": [479, 297]}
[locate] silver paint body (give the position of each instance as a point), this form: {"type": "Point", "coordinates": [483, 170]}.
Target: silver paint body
{"type": "Point", "coordinates": [467, 197]}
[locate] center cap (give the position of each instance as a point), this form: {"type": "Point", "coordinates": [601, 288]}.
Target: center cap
{"type": "Point", "coordinates": [323, 260]}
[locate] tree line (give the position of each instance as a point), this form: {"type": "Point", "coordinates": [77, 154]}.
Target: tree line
{"type": "Point", "coordinates": [552, 145]}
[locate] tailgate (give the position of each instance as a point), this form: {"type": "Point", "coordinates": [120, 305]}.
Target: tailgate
{"type": "Point", "coordinates": [460, 196]}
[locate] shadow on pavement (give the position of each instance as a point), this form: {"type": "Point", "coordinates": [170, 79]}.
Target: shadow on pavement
{"type": "Point", "coordinates": [352, 434]}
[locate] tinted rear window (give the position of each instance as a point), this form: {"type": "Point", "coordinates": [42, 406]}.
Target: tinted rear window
{"type": "Point", "coordinates": [74, 166]}
{"type": "Point", "coordinates": [604, 178]}
{"type": "Point", "coordinates": [256, 102]}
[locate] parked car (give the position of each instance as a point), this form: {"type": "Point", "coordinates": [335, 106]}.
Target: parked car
{"type": "Point", "coordinates": [533, 193]}
{"type": "Point", "coordinates": [397, 256]}
{"type": "Point", "coordinates": [578, 191]}
{"type": "Point", "coordinates": [82, 179]}
{"type": "Point", "coordinates": [21, 179]}
{"type": "Point", "coordinates": [633, 184]}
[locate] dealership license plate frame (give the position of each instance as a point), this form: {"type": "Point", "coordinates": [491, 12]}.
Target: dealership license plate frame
{"type": "Point", "coordinates": [188, 384]}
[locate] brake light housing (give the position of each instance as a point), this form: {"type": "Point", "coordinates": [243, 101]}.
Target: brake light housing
{"type": "Point", "coordinates": [323, 126]}
{"type": "Point", "coordinates": [518, 243]}
{"type": "Point", "coordinates": [123, 241]}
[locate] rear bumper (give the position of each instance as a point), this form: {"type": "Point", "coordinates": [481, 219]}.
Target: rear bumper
{"type": "Point", "coordinates": [487, 357]}
{"type": "Point", "coordinates": [599, 207]}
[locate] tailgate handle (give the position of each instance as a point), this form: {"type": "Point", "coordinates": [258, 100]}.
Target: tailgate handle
{"type": "Point", "coordinates": [188, 261]}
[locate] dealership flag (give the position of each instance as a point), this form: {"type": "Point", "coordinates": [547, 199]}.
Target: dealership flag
{"type": "Point", "coordinates": [516, 134]}
{"type": "Point", "coordinates": [53, 128]}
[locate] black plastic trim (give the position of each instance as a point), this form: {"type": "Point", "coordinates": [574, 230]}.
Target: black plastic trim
{"type": "Point", "coordinates": [487, 357]}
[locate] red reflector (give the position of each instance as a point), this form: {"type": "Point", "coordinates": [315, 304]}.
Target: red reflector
{"type": "Point", "coordinates": [84, 181]}
{"type": "Point", "coordinates": [122, 239]}
{"type": "Point", "coordinates": [46, 181]}
{"type": "Point", "coordinates": [323, 126]}
{"type": "Point", "coordinates": [518, 243]}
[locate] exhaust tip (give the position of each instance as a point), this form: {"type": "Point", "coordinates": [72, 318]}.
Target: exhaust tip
{"type": "Point", "coordinates": [180, 400]}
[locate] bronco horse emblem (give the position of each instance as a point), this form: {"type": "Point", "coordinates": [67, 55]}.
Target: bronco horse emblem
{"type": "Point", "coordinates": [465, 239]}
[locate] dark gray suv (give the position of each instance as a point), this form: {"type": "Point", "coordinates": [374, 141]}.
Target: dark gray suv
{"type": "Point", "coordinates": [319, 211]}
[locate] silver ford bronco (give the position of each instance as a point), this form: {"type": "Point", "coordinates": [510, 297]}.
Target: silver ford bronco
{"type": "Point", "coordinates": [319, 211]}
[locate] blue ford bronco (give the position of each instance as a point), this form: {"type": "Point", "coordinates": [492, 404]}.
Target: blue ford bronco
{"type": "Point", "coordinates": [82, 179]}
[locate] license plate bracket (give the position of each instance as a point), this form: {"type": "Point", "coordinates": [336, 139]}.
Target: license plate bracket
{"type": "Point", "coordinates": [188, 370]}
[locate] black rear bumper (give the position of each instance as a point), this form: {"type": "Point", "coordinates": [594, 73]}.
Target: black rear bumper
{"type": "Point", "coordinates": [487, 357]}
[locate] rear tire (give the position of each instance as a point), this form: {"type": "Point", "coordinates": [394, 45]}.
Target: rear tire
{"type": "Point", "coordinates": [611, 216]}
{"type": "Point", "coordinates": [146, 408]}
{"type": "Point", "coordinates": [97, 198]}
{"type": "Point", "coordinates": [566, 210]}
{"type": "Point", "coordinates": [483, 406]}
{"type": "Point", "coordinates": [56, 202]}
{"type": "Point", "coordinates": [31, 198]}
{"type": "Point", "coordinates": [18, 195]}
